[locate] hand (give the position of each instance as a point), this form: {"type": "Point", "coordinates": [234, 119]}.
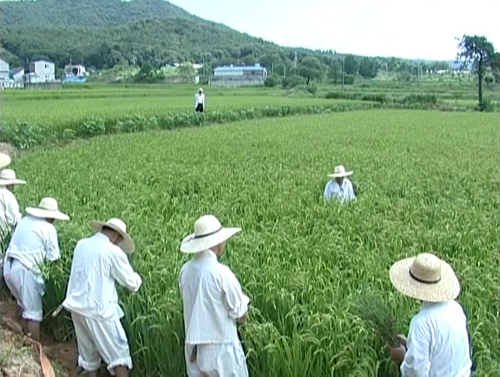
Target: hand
{"type": "Point", "coordinates": [401, 339]}
{"type": "Point", "coordinates": [397, 353]}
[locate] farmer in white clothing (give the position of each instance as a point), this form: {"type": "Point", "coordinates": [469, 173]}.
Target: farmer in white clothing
{"type": "Point", "coordinates": [34, 241]}
{"type": "Point", "coordinates": [438, 341]}
{"type": "Point", "coordinates": [9, 207]}
{"type": "Point", "coordinates": [98, 262]}
{"type": "Point", "coordinates": [199, 101]}
{"type": "Point", "coordinates": [339, 187]}
{"type": "Point", "coordinates": [213, 304]}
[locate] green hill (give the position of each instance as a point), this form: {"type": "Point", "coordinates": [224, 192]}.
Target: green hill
{"type": "Point", "coordinates": [103, 33]}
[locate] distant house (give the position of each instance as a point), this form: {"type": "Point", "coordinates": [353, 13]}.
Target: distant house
{"type": "Point", "coordinates": [255, 70]}
{"type": "Point", "coordinates": [4, 70]}
{"type": "Point", "coordinates": [75, 69]}
{"type": "Point", "coordinates": [17, 74]}
{"type": "Point", "coordinates": [230, 76]}
{"type": "Point", "coordinates": [39, 71]}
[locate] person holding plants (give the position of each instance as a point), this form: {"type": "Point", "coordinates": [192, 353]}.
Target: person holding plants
{"type": "Point", "coordinates": [213, 304]}
{"type": "Point", "coordinates": [339, 187]}
{"type": "Point", "coordinates": [98, 262]}
{"type": "Point", "coordinates": [438, 343]}
{"type": "Point", "coordinates": [34, 241]}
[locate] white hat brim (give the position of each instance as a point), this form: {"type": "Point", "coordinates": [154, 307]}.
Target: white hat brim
{"type": "Point", "coordinates": [127, 245]}
{"type": "Point", "coordinates": [448, 288]}
{"type": "Point", "coordinates": [4, 160]}
{"type": "Point", "coordinates": [340, 175]}
{"type": "Point", "coordinates": [8, 182]}
{"type": "Point", "coordinates": [45, 214]}
{"type": "Point", "coordinates": [192, 245]}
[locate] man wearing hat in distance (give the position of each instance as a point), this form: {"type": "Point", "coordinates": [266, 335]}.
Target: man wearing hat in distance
{"type": "Point", "coordinates": [9, 207]}
{"type": "Point", "coordinates": [199, 101]}
{"type": "Point", "coordinates": [339, 187]}
{"type": "Point", "coordinates": [438, 342]}
{"type": "Point", "coordinates": [98, 262]}
{"type": "Point", "coordinates": [34, 241]}
{"type": "Point", "coordinates": [213, 304]}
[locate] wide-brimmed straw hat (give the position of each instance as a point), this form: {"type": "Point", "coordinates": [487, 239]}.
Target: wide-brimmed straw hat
{"type": "Point", "coordinates": [340, 172]}
{"type": "Point", "coordinates": [4, 160]}
{"type": "Point", "coordinates": [208, 232]}
{"type": "Point", "coordinates": [47, 209]}
{"type": "Point", "coordinates": [425, 278]}
{"type": "Point", "coordinates": [200, 90]}
{"type": "Point", "coordinates": [8, 177]}
{"type": "Point", "coordinates": [127, 245]}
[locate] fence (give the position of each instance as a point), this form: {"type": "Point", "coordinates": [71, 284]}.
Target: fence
{"type": "Point", "coordinates": [233, 81]}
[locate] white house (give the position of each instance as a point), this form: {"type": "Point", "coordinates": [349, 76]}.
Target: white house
{"type": "Point", "coordinates": [75, 69]}
{"type": "Point", "coordinates": [17, 74]}
{"type": "Point", "coordinates": [253, 71]}
{"type": "Point", "coordinates": [39, 71]}
{"type": "Point", "coordinates": [4, 70]}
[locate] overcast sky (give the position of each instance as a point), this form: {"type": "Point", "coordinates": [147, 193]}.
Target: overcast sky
{"type": "Point", "coordinates": [364, 27]}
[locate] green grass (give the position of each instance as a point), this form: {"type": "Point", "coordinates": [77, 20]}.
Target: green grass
{"type": "Point", "coordinates": [426, 181]}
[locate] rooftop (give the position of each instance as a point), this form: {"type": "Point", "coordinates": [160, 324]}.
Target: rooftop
{"type": "Point", "coordinates": [240, 68]}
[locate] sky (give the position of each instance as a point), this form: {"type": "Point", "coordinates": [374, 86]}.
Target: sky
{"type": "Point", "coordinates": [422, 29]}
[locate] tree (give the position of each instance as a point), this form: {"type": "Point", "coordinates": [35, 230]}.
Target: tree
{"type": "Point", "coordinates": [310, 68]}
{"type": "Point", "coordinates": [481, 53]}
{"type": "Point", "coordinates": [186, 71]}
{"type": "Point", "coordinates": [351, 65]}
{"type": "Point", "coordinates": [335, 70]}
{"type": "Point", "coordinates": [368, 68]}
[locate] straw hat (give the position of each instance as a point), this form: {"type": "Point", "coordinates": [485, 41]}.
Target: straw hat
{"type": "Point", "coordinates": [127, 245]}
{"type": "Point", "coordinates": [425, 278]}
{"type": "Point", "coordinates": [4, 160]}
{"type": "Point", "coordinates": [47, 209]}
{"type": "Point", "coordinates": [8, 177]}
{"type": "Point", "coordinates": [200, 90]}
{"type": "Point", "coordinates": [208, 232]}
{"type": "Point", "coordinates": [340, 172]}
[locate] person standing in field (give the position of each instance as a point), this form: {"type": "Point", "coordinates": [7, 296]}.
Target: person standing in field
{"type": "Point", "coordinates": [199, 101]}
{"type": "Point", "coordinates": [438, 343]}
{"type": "Point", "coordinates": [34, 241]}
{"type": "Point", "coordinates": [213, 304]}
{"type": "Point", "coordinates": [98, 262]}
{"type": "Point", "coordinates": [9, 207]}
{"type": "Point", "coordinates": [340, 187]}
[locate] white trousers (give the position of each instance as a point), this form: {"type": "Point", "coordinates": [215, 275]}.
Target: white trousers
{"type": "Point", "coordinates": [101, 339]}
{"type": "Point", "coordinates": [217, 360]}
{"type": "Point", "coordinates": [26, 287]}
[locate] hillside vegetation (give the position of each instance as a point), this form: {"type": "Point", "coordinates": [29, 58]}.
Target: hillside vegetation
{"type": "Point", "coordinates": [107, 33]}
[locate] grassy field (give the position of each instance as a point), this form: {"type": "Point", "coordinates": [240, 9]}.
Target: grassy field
{"type": "Point", "coordinates": [69, 107]}
{"type": "Point", "coordinates": [426, 181]}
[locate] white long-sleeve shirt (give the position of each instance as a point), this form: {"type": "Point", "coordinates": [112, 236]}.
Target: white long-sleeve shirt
{"type": "Point", "coordinates": [33, 241]}
{"type": "Point", "coordinates": [343, 193]}
{"type": "Point", "coordinates": [96, 265]}
{"type": "Point", "coordinates": [199, 98]}
{"type": "Point", "coordinates": [212, 299]}
{"type": "Point", "coordinates": [9, 209]}
{"type": "Point", "coordinates": [438, 343]}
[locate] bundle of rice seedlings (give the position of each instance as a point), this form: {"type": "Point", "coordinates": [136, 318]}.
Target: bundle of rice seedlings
{"type": "Point", "coordinates": [377, 315]}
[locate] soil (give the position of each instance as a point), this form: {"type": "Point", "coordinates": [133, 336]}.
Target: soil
{"type": "Point", "coordinates": [62, 356]}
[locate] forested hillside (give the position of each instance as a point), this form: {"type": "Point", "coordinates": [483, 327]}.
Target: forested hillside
{"type": "Point", "coordinates": [104, 33]}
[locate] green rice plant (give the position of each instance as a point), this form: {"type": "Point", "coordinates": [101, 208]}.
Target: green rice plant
{"type": "Point", "coordinates": [304, 262]}
{"type": "Point", "coordinates": [378, 316]}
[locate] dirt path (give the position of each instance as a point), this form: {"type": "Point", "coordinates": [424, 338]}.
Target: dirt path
{"type": "Point", "coordinates": [63, 356]}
